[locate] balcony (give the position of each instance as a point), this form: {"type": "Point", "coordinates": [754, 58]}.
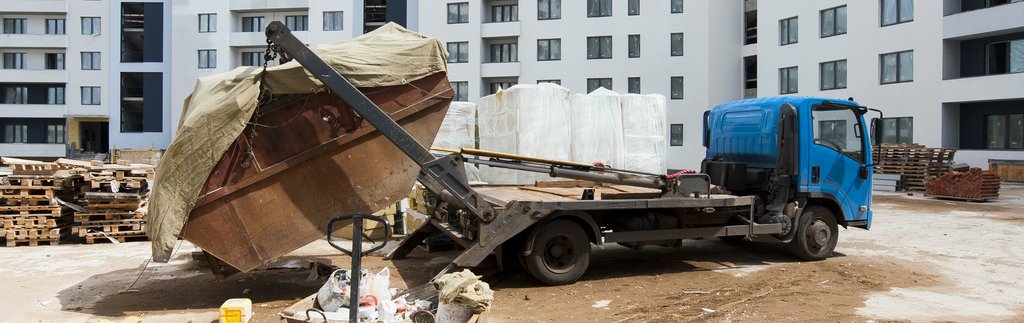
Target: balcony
{"type": "Point", "coordinates": [983, 88]}
{"type": "Point", "coordinates": [33, 150]}
{"type": "Point", "coordinates": [500, 29]}
{"type": "Point", "coordinates": [264, 5]}
{"type": "Point", "coordinates": [33, 110]}
{"type": "Point", "coordinates": [510, 69]}
{"type": "Point", "coordinates": [33, 41]}
{"type": "Point", "coordinates": [984, 22]}
{"type": "Point", "coordinates": [33, 76]}
{"type": "Point", "coordinates": [259, 39]}
{"type": "Point", "coordinates": [36, 6]}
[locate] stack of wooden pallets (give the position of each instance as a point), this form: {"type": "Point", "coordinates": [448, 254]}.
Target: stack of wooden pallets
{"type": "Point", "coordinates": [113, 202]}
{"type": "Point", "coordinates": [915, 164]}
{"type": "Point", "coordinates": [29, 211]}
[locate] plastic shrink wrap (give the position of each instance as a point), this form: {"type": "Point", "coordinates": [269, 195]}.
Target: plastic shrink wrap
{"type": "Point", "coordinates": [597, 128]}
{"type": "Point", "coordinates": [458, 130]}
{"type": "Point", "coordinates": [644, 135]}
{"type": "Point", "coordinates": [543, 124]}
{"type": "Point", "coordinates": [498, 124]}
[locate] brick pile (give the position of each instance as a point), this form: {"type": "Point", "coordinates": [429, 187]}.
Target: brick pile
{"type": "Point", "coordinates": [972, 185]}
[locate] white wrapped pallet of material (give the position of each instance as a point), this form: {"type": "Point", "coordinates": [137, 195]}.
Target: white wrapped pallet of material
{"type": "Point", "coordinates": [498, 122]}
{"type": "Point", "coordinates": [544, 122]}
{"type": "Point", "coordinates": [644, 122]}
{"type": "Point", "coordinates": [458, 130]}
{"type": "Point", "coordinates": [597, 128]}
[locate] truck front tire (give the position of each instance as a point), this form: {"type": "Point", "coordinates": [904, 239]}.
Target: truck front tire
{"type": "Point", "coordinates": [817, 234]}
{"type": "Point", "coordinates": [561, 253]}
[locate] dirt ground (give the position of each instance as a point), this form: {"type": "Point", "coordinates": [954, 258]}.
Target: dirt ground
{"type": "Point", "coordinates": [923, 260]}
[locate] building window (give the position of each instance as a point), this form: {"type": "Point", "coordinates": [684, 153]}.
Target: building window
{"type": "Point", "coordinates": [897, 11]}
{"type": "Point", "coordinates": [15, 133]}
{"type": "Point", "coordinates": [458, 13]}
{"type": "Point", "coordinates": [504, 53]}
{"type": "Point", "coordinates": [91, 60]}
{"type": "Point", "coordinates": [898, 67]}
{"type": "Point", "coordinates": [496, 86]}
{"type": "Point", "coordinates": [1004, 131]}
{"type": "Point", "coordinates": [90, 95]}
{"type": "Point", "coordinates": [788, 80]}
{"type": "Point", "coordinates": [634, 46]}
{"type": "Point", "coordinates": [898, 130]}
{"type": "Point", "coordinates": [458, 52]}
{"type": "Point", "coordinates": [14, 61]}
{"type": "Point", "coordinates": [55, 61]}
{"type": "Point", "coordinates": [599, 8]}
{"type": "Point", "coordinates": [140, 38]}
{"type": "Point", "coordinates": [297, 23]}
{"type": "Point", "coordinates": [14, 25]}
{"type": "Point", "coordinates": [55, 95]}
{"type": "Point", "coordinates": [634, 8]}
{"type": "Point", "coordinates": [333, 20]}
{"type": "Point", "coordinates": [599, 47]}
{"type": "Point", "coordinates": [16, 95]}
{"type": "Point", "coordinates": [677, 6]}
{"type": "Point", "coordinates": [207, 58]}
{"type": "Point", "coordinates": [677, 88]}
{"type": "Point", "coordinates": [549, 49]}
{"type": "Point", "coordinates": [833, 75]}
{"type": "Point", "coordinates": [549, 9]}
{"type": "Point", "coordinates": [252, 24]}
{"type": "Point", "coordinates": [91, 26]}
{"type": "Point", "coordinates": [677, 44]}
{"type": "Point", "coordinates": [788, 30]}
{"type": "Point", "coordinates": [252, 58]}
{"type": "Point", "coordinates": [56, 26]}
{"type": "Point", "coordinates": [207, 22]}
{"type": "Point", "coordinates": [833, 21]}
{"type": "Point", "coordinates": [461, 91]}
{"type": "Point", "coordinates": [596, 83]}
{"type": "Point", "coordinates": [1005, 57]}
{"type": "Point", "coordinates": [633, 85]}
{"type": "Point", "coordinates": [676, 135]}
{"type": "Point", "coordinates": [559, 82]}
{"type": "Point", "coordinates": [505, 13]}
{"type": "Point", "coordinates": [55, 134]}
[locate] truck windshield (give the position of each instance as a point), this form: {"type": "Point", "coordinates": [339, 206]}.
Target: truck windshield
{"type": "Point", "coordinates": [838, 128]}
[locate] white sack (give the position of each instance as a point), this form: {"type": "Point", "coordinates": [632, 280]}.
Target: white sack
{"type": "Point", "coordinates": [458, 130]}
{"type": "Point", "coordinates": [498, 125]}
{"type": "Point", "coordinates": [597, 128]}
{"type": "Point", "coordinates": [644, 122]}
{"type": "Point", "coordinates": [543, 124]}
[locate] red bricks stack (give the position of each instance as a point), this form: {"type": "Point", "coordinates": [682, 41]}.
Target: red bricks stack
{"type": "Point", "coordinates": [972, 185]}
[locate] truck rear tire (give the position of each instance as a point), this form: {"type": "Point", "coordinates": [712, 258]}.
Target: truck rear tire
{"type": "Point", "coordinates": [561, 253]}
{"type": "Point", "coordinates": [817, 234]}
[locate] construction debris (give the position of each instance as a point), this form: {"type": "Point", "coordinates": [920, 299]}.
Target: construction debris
{"type": "Point", "coordinates": [973, 185]}
{"type": "Point", "coordinates": [915, 164]}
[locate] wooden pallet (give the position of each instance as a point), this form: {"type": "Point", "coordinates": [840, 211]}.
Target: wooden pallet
{"type": "Point", "coordinates": [109, 227]}
{"type": "Point", "coordinates": [7, 203]}
{"type": "Point", "coordinates": [15, 211]}
{"type": "Point", "coordinates": [31, 242]}
{"type": "Point", "coordinates": [123, 206]}
{"type": "Point", "coordinates": [122, 237]}
{"type": "Point", "coordinates": [965, 199]}
{"type": "Point", "coordinates": [30, 223]}
{"type": "Point", "coordinates": [46, 233]}
{"type": "Point", "coordinates": [107, 216]}
{"type": "Point", "coordinates": [26, 192]}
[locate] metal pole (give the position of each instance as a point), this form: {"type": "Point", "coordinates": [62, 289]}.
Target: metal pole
{"type": "Point", "coordinates": [357, 255]}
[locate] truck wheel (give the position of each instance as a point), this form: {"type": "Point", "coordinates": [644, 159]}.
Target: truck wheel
{"type": "Point", "coordinates": [561, 253]}
{"type": "Point", "coordinates": [816, 234]}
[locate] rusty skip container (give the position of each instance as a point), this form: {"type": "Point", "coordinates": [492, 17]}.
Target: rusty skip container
{"type": "Point", "coordinates": [303, 158]}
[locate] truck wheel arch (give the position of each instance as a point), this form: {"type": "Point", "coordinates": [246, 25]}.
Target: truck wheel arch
{"type": "Point", "coordinates": [829, 202]}
{"type": "Point", "coordinates": [583, 219]}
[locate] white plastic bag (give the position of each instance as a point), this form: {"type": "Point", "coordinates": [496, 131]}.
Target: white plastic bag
{"type": "Point", "coordinates": [334, 293]}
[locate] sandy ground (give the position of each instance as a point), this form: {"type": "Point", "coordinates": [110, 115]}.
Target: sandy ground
{"type": "Point", "coordinates": [923, 260]}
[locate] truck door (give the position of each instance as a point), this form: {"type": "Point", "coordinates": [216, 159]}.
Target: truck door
{"type": "Point", "coordinates": [836, 156]}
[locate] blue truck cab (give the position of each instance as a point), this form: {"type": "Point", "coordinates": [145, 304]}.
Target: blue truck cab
{"type": "Point", "coordinates": [806, 160]}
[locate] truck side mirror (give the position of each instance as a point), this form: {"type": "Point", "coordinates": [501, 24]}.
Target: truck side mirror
{"type": "Point", "coordinates": [876, 130]}
{"type": "Point", "coordinates": [707, 131]}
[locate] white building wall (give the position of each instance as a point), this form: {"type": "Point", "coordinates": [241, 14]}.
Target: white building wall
{"type": "Point", "coordinates": [78, 43]}
{"type": "Point", "coordinates": [710, 65]}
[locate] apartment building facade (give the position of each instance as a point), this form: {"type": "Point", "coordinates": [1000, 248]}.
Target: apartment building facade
{"type": "Point", "coordinates": [945, 73]}
{"type": "Point", "coordinates": [686, 51]}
